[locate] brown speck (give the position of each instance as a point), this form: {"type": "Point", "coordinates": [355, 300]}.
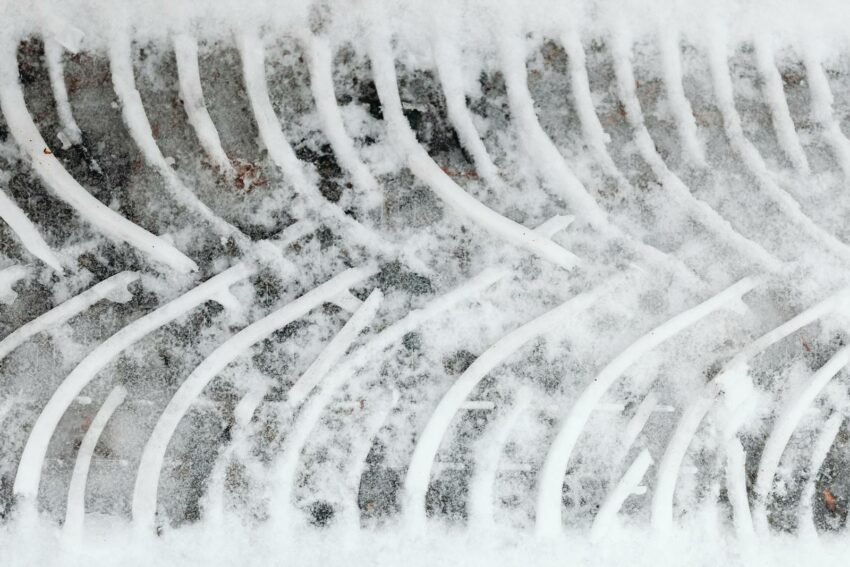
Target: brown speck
{"type": "Point", "coordinates": [829, 500]}
{"type": "Point", "coordinates": [247, 175]}
{"type": "Point", "coordinates": [806, 346]}
{"type": "Point", "coordinates": [469, 174]}
{"type": "Point", "coordinates": [47, 151]}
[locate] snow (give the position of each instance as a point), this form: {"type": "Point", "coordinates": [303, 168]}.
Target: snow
{"type": "Point", "coordinates": [380, 281]}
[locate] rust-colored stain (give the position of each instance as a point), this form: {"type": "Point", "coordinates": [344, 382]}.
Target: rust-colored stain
{"type": "Point", "coordinates": [829, 500]}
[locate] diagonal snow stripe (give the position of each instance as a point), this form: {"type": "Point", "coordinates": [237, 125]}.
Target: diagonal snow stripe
{"type": "Point", "coordinates": [614, 500]}
{"type": "Point", "coordinates": [722, 81]}
{"type": "Point", "coordinates": [321, 84]}
{"type": "Point", "coordinates": [347, 301]}
{"type": "Point", "coordinates": [645, 409]}
{"type": "Point", "coordinates": [822, 111]}
{"type": "Point", "coordinates": [783, 428]}
{"type": "Point", "coordinates": [491, 448]}
{"type": "Point", "coordinates": [153, 455]}
{"type": "Point", "coordinates": [312, 410]}
{"type": "Point", "coordinates": [114, 289]}
{"type": "Point", "coordinates": [622, 56]}
{"type": "Point", "coordinates": [76, 508]}
{"type": "Point", "coordinates": [189, 77]}
{"type": "Point", "coordinates": [736, 487]}
{"type": "Point", "coordinates": [447, 60]}
{"type": "Point", "coordinates": [733, 381]}
{"type": "Point", "coordinates": [827, 436]}
{"type": "Point", "coordinates": [9, 277]}
{"type": "Point", "coordinates": [779, 112]}
{"type": "Point", "coordinates": [419, 471]}
{"type": "Point", "coordinates": [28, 476]}
{"type": "Point", "coordinates": [133, 111]}
{"type": "Point", "coordinates": [53, 56]}
{"type": "Point", "coordinates": [423, 167]}
{"type": "Point", "coordinates": [680, 107]}
{"type": "Point", "coordinates": [27, 232]}
{"type": "Point", "coordinates": [554, 225]}
{"type": "Point", "coordinates": [252, 53]}
{"type": "Point", "coordinates": [104, 219]}
{"type": "Point", "coordinates": [335, 349]}
{"type": "Point", "coordinates": [551, 480]}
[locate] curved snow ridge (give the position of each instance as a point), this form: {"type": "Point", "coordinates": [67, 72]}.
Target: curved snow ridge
{"type": "Point", "coordinates": [27, 233]}
{"type": "Point", "coordinates": [63, 185]}
{"type": "Point", "coordinates": [192, 94]}
{"type": "Point", "coordinates": [113, 289]}
{"type": "Point", "coordinates": [75, 508]}
{"type": "Point", "coordinates": [424, 167]}
{"type": "Point", "coordinates": [735, 386]}
{"type": "Point", "coordinates": [147, 478]}
{"type": "Point", "coordinates": [419, 470]}
{"type": "Point", "coordinates": [554, 468]}
{"type": "Point", "coordinates": [786, 422]}
{"type": "Point", "coordinates": [367, 354]}
{"type": "Point", "coordinates": [697, 433]}
{"type": "Point", "coordinates": [252, 55]}
{"type": "Point", "coordinates": [133, 111]}
{"type": "Point", "coordinates": [28, 477]}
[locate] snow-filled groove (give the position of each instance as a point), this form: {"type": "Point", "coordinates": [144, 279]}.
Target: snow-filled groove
{"type": "Point", "coordinates": [782, 122]}
{"type": "Point", "coordinates": [621, 52]}
{"type": "Point", "coordinates": [75, 508]}
{"type": "Point", "coordinates": [26, 232]}
{"type": "Point", "coordinates": [786, 422]}
{"type": "Point", "coordinates": [53, 53]}
{"type": "Point", "coordinates": [395, 282]}
{"type": "Point", "coordinates": [419, 470]}
{"type": "Point", "coordinates": [822, 111]}
{"type": "Point", "coordinates": [113, 289]}
{"type": "Point", "coordinates": [321, 85]}
{"type": "Point", "coordinates": [191, 91]}
{"type": "Point", "coordinates": [310, 414]}
{"type": "Point", "coordinates": [733, 384]}
{"type": "Point", "coordinates": [627, 486]}
{"type": "Point", "coordinates": [558, 456]}
{"type": "Point", "coordinates": [252, 52]}
{"type": "Point", "coordinates": [26, 134]}
{"type": "Point", "coordinates": [671, 63]}
{"type": "Point", "coordinates": [820, 449]}
{"type": "Point", "coordinates": [723, 90]}
{"type": "Point", "coordinates": [147, 478]}
{"type": "Point", "coordinates": [133, 112]}
{"type": "Point", "coordinates": [28, 476]}
{"type": "Point", "coordinates": [422, 166]}
{"type": "Point", "coordinates": [583, 98]}
{"type": "Point", "coordinates": [481, 513]}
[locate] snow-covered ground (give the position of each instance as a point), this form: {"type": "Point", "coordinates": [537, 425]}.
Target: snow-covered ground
{"type": "Point", "coordinates": [371, 282]}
